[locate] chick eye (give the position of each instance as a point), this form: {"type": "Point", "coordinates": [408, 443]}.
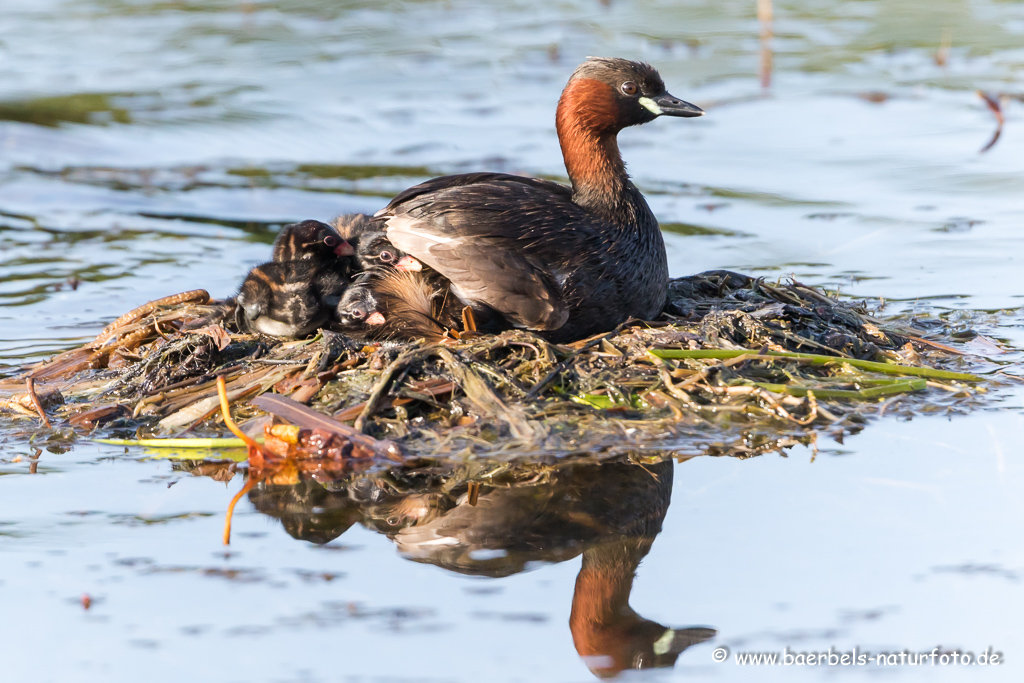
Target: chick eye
{"type": "Point", "coordinates": [387, 256]}
{"type": "Point", "coordinates": [357, 313]}
{"type": "Point", "coordinates": [330, 241]}
{"type": "Point", "coordinates": [630, 88]}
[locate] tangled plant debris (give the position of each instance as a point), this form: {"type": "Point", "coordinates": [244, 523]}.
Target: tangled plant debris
{"type": "Point", "coordinates": [734, 366]}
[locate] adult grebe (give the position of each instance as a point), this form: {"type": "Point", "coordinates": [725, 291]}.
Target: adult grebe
{"type": "Point", "coordinates": [567, 262]}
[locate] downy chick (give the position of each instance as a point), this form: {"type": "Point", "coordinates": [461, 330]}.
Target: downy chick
{"type": "Point", "coordinates": [291, 299]}
{"type": "Point", "coordinates": [296, 293]}
{"type": "Point", "coordinates": [372, 247]}
{"type": "Point", "coordinates": [311, 240]}
{"type": "Point", "coordinates": [386, 303]}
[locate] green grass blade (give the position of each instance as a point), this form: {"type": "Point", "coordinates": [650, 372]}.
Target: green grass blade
{"type": "Point", "coordinates": [860, 394]}
{"type": "Point", "coordinates": [604, 402]}
{"type": "Point", "coordinates": [895, 388]}
{"type": "Point", "coordinates": [595, 400]}
{"type": "Point", "coordinates": [178, 443]}
{"type": "Point", "coordinates": [816, 359]}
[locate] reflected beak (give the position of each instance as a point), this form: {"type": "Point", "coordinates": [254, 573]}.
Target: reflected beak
{"type": "Point", "coordinates": [670, 105]}
{"type": "Point", "coordinates": [344, 249]}
{"type": "Point", "coordinates": [375, 318]}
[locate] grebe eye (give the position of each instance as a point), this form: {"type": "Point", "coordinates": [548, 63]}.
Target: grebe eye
{"type": "Point", "coordinates": [330, 241]}
{"type": "Point", "coordinates": [630, 88]}
{"type": "Point", "coordinates": [357, 313]}
{"type": "Point", "coordinates": [387, 256]}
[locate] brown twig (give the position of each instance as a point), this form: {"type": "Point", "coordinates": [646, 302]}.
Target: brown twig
{"type": "Point", "coordinates": [30, 386]}
{"type": "Point", "coordinates": [468, 320]}
{"type": "Point", "coordinates": [304, 416]}
{"type": "Point", "coordinates": [199, 296]}
{"type": "Point", "coordinates": [128, 342]}
{"type": "Point", "coordinates": [384, 382]}
{"type": "Point", "coordinates": [569, 360]}
{"type": "Point", "coordinates": [936, 345]}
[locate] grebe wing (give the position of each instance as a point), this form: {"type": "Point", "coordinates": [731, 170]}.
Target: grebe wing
{"type": "Point", "coordinates": [489, 274]}
{"type": "Point", "coordinates": [482, 231]}
{"type": "Point", "coordinates": [483, 181]}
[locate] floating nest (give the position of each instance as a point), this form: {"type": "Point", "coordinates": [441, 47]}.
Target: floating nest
{"type": "Point", "coordinates": [734, 366]}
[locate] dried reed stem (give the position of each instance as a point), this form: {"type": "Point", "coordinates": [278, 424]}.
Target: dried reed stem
{"type": "Point", "coordinates": [30, 386]}
{"type": "Point", "coordinates": [198, 296]}
{"type": "Point", "coordinates": [225, 409]}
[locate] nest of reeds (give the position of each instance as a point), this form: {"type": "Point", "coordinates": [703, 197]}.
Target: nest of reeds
{"type": "Point", "coordinates": [735, 365]}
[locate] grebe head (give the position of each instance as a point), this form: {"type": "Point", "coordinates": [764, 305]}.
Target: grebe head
{"type": "Point", "coordinates": [308, 240]}
{"type": "Point", "coordinates": [359, 307]}
{"type": "Point", "coordinates": [374, 250]}
{"type": "Point", "coordinates": [602, 97]}
{"type": "Point", "coordinates": [606, 95]}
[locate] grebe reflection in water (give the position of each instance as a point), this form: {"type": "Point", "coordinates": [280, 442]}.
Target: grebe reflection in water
{"type": "Point", "coordinates": [609, 513]}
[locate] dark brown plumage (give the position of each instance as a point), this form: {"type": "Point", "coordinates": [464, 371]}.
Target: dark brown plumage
{"type": "Point", "coordinates": [567, 262]}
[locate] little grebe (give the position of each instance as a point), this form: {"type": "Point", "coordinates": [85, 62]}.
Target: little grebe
{"type": "Point", "coordinates": [375, 249]}
{"type": "Point", "coordinates": [371, 245]}
{"type": "Point", "coordinates": [389, 303]}
{"type": "Point", "coordinates": [567, 262]}
{"type": "Point", "coordinates": [357, 308]}
{"type": "Point", "coordinates": [310, 240]}
{"type": "Point", "coordinates": [296, 293]}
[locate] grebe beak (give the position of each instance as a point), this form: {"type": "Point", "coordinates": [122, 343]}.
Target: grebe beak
{"type": "Point", "coordinates": [344, 249]}
{"type": "Point", "coordinates": [670, 105]}
{"type": "Point", "coordinates": [375, 318]}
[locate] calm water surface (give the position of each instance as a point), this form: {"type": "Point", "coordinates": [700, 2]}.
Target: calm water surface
{"type": "Point", "coordinates": [150, 147]}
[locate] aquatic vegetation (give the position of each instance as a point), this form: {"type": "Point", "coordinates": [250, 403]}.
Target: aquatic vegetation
{"type": "Point", "coordinates": [735, 365]}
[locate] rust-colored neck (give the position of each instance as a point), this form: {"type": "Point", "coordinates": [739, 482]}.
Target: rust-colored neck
{"type": "Point", "coordinates": [587, 122]}
{"type": "Point", "coordinates": [601, 617]}
{"type": "Point", "coordinates": [601, 600]}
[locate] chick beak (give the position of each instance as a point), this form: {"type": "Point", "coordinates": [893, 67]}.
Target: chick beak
{"type": "Point", "coordinates": [670, 105]}
{"type": "Point", "coordinates": [344, 249]}
{"type": "Point", "coordinates": [408, 264]}
{"type": "Point", "coordinates": [375, 318]}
